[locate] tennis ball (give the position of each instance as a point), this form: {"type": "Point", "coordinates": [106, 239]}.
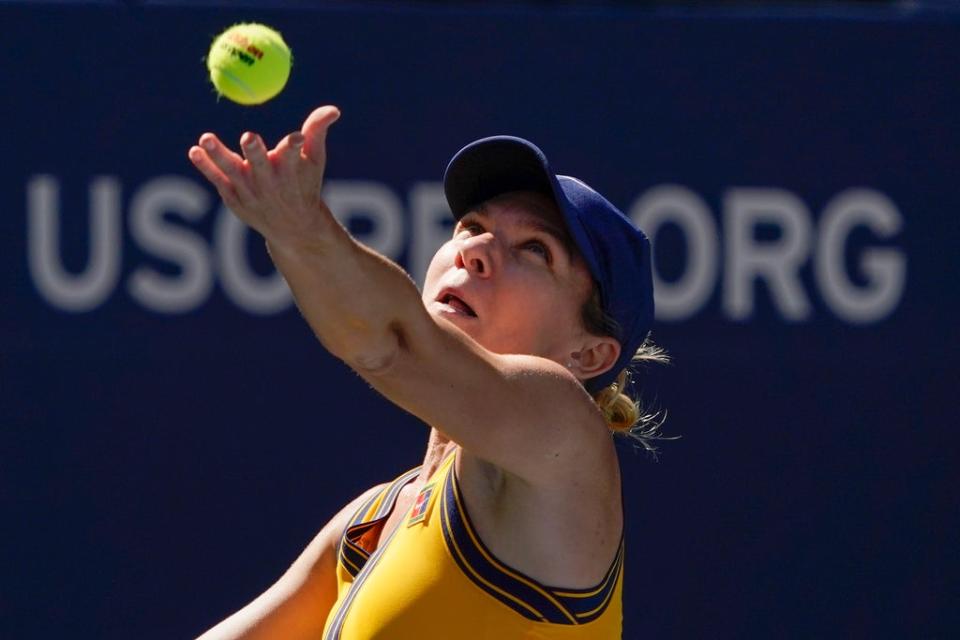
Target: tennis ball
{"type": "Point", "coordinates": [249, 63]}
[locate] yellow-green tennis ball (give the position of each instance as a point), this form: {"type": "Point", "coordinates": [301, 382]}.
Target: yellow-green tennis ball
{"type": "Point", "coordinates": [249, 63]}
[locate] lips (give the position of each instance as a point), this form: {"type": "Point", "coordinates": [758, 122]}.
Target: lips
{"type": "Point", "coordinates": [452, 300]}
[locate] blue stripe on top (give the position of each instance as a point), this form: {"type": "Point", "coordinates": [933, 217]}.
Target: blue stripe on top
{"type": "Point", "coordinates": [351, 552]}
{"type": "Point", "coordinates": [520, 592]}
{"type": "Point", "coordinates": [589, 604]}
{"type": "Point", "coordinates": [351, 540]}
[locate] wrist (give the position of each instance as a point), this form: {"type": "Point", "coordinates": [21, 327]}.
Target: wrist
{"type": "Point", "coordinates": [322, 237]}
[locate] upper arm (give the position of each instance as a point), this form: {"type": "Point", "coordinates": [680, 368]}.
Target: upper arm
{"type": "Point", "coordinates": [525, 414]}
{"type": "Point", "coordinates": [295, 606]}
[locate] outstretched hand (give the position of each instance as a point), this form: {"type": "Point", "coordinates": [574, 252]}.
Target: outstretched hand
{"type": "Point", "coordinates": [276, 191]}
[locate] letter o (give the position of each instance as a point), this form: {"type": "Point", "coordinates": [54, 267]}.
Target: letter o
{"type": "Point", "coordinates": [673, 203]}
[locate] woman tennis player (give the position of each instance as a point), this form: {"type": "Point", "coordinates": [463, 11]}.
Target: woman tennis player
{"type": "Point", "coordinates": [515, 354]}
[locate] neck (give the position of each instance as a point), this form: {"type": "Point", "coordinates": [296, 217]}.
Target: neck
{"type": "Point", "coordinates": [439, 447]}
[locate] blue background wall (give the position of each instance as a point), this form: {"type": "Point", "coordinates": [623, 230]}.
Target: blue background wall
{"type": "Point", "coordinates": [162, 463]}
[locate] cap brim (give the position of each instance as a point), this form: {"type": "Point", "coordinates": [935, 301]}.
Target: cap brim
{"type": "Point", "coordinates": [492, 166]}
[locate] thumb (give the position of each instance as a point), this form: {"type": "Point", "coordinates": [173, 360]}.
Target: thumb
{"type": "Point", "coordinates": [314, 131]}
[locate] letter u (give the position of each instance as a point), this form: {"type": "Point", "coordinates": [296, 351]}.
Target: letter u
{"type": "Point", "coordinates": [75, 292]}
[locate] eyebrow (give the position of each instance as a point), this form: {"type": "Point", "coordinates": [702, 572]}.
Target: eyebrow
{"type": "Point", "coordinates": [534, 223]}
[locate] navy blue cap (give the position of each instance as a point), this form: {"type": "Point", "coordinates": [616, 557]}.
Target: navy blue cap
{"type": "Point", "coordinates": [616, 252]}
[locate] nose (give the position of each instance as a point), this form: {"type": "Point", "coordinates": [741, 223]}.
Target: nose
{"type": "Point", "coordinates": [478, 255]}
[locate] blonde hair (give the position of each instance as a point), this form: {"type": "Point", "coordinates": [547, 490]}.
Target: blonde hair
{"type": "Point", "coordinates": [624, 413]}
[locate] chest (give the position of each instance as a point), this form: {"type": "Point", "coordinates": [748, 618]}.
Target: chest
{"type": "Point", "coordinates": [400, 512]}
{"type": "Point", "coordinates": [412, 494]}
{"type": "Point", "coordinates": [436, 573]}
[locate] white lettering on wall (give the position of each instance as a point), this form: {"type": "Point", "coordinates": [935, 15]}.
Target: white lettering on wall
{"type": "Point", "coordinates": [354, 198]}
{"type": "Point", "coordinates": [171, 242]}
{"type": "Point", "coordinates": [87, 290]}
{"type": "Point", "coordinates": [768, 237]}
{"type": "Point", "coordinates": [429, 211]}
{"type": "Point", "coordinates": [259, 295]}
{"type": "Point", "coordinates": [777, 263]}
{"type": "Point", "coordinates": [678, 205]}
{"type": "Point", "coordinates": [886, 269]}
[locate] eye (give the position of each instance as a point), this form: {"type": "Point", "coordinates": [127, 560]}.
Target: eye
{"type": "Point", "coordinates": [540, 248]}
{"type": "Point", "coordinates": [471, 227]}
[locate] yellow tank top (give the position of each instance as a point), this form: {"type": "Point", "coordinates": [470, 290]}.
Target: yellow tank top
{"type": "Point", "coordinates": [434, 579]}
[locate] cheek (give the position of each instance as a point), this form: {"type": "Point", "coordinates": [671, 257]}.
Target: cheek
{"type": "Point", "coordinates": [546, 308]}
{"type": "Point", "coordinates": [562, 307]}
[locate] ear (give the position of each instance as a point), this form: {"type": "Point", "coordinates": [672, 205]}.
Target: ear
{"type": "Point", "coordinates": [596, 357]}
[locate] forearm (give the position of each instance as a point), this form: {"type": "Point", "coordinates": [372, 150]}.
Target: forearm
{"type": "Point", "coordinates": [297, 605]}
{"type": "Point", "coordinates": [359, 303]}
{"type": "Point", "coordinates": [288, 611]}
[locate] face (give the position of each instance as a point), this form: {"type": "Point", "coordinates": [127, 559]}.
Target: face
{"type": "Point", "coordinates": [512, 279]}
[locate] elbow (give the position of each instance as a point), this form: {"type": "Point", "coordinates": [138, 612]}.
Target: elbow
{"type": "Point", "coordinates": [373, 364]}
{"type": "Point", "coordinates": [377, 357]}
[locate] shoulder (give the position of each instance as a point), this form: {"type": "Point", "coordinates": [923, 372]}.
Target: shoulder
{"type": "Point", "coordinates": [297, 604]}
{"type": "Point", "coordinates": [561, 422]}
{"type": "Point", "coordinates": [338, 523]}
{"type": "Point", "coordinates": [321, 553]}
{"type": "Point", "coordinates": [528, 526]}
{"type": "Point", "coordinates": [526, 414]}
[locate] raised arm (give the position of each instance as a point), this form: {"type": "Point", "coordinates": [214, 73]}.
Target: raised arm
{"type": "Point", "coordinates": [527, 415]}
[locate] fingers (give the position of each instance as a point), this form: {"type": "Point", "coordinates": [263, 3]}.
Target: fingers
{"type": "Point", "coordinates": [271, 190]}
{"type": "Point", "coordinates": [201, 160]}
{"type": "Point", "coordinates": [287, 154]}
{"type": "Point", "coordinates": [229, 163]}
{"type": "Point", "coordinates": [314, 130]}
{"type": "Point", "coordinates": [288, 160]}
{"type": "Point", "coordinates": [255, 151]}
